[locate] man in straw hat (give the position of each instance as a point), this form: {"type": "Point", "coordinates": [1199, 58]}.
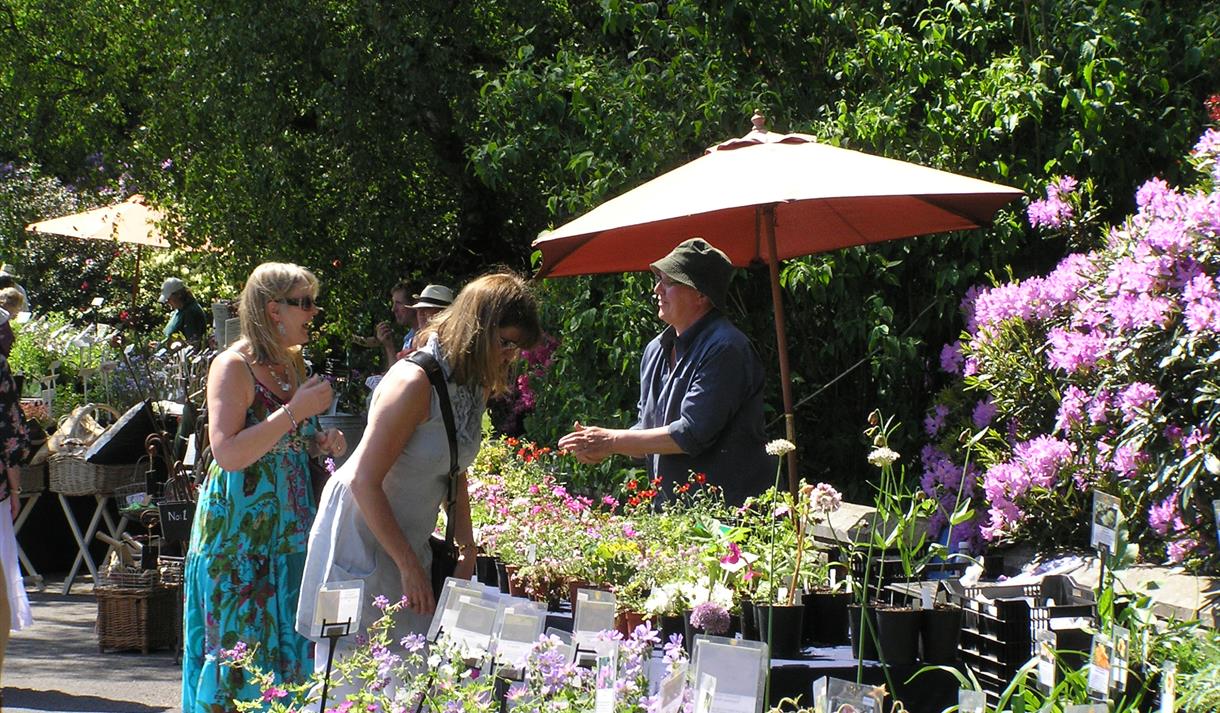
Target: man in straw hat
{"type": "Point", "coordinates": [701, 384]}
{"type": "Point", "coordinates": [8, 278]}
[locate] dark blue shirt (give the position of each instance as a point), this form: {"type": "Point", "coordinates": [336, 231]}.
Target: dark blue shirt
{"type": "Point", "coordinates": [710, 398]}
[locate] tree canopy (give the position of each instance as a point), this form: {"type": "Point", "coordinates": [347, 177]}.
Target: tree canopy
{"type": "Point", "coordinates": [373, 140]}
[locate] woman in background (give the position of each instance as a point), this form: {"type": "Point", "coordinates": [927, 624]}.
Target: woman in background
{"type": "Point", "coordinates": [14, 606]}
{"type": "Point", "coordinates": [378, 510]}
{"type": "Point", "coordinates": [247, 548]}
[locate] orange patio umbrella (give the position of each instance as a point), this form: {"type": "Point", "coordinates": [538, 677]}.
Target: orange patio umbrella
{"type": "Point", "coordinates": [133, 222]}
{"type": "Point", "coordinates": [767, 197]}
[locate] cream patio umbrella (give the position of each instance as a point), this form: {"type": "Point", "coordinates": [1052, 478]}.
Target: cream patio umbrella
{"type": "Point", "coordinates": [132, 221]}
{"type": "Point", "coordinates": [767, 197]}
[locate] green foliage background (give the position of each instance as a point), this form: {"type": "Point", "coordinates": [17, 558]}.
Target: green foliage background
{"type": "Point", "coordinates": [374, 139]}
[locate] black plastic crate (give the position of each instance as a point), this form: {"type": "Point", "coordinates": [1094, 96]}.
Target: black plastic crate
{"type": "Point", "coordinates": [999, 621]}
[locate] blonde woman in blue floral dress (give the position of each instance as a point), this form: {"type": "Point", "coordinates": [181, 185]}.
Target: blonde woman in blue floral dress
{"type": "Point", "coordinates": [248, 540]}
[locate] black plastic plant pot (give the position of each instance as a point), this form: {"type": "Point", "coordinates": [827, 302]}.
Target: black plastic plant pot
{"type": "Point", "coordinates": [826, 618]}
{"type": "Point", "coordinates": [485, 570]}
{"type": "Point", "coordinates": [898, 635]}
{"type": "Point", "coordinates": [863, 640]}
{"type": "Point", "coordinates": [749, 625]}
{"type": "Point", "coordinates": [501, 577]}
{"type": "Point", "coordinates": [939, 635]}
{"type": "Point", "coordinates": [783, 631]}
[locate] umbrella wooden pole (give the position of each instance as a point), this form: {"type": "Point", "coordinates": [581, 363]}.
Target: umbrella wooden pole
{"type": "Point", "coordinates": [135, 284]}
{"type": "Point", "coordinates": [781, 337]}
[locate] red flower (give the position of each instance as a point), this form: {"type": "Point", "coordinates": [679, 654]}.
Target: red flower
{"type": "Point", "coordinates": [700, 478]}
{"type": "Point", "coordinates": [632, 485]}
{"type": "Point", "coordinates": [633, 501]}
{"type": "Point", "coordinates": [1213, 107]}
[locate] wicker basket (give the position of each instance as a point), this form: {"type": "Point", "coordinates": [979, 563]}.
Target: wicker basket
{"type": "Point", "coordinates": [131, 619]}
{"type": "Point", "coordinates": [34, 478]}
{"type": "Point", "coordinates": [171, 569]}
{"type": "Point", "coordinates": [71, 475]}
{"type": "Point", "coordinates": [129, 578]}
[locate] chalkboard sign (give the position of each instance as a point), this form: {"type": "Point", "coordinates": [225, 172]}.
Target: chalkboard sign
{"type": "Point", "coordinates": [176, 520]}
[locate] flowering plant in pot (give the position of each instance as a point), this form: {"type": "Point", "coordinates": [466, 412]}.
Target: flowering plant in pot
{"type": "Point", "coordinates": [779, 618]}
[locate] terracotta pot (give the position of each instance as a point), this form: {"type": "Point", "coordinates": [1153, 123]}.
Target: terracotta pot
{"type": "Point", "coordinates": [625, 622]}
{"type": "Point", "coordinates": [515, 587]}
{"type": "Point", "coordinates": [574, 585]}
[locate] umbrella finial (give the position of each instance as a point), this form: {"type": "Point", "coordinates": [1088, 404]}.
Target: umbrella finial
{"type": "Point", "coordinates": [759, 121]}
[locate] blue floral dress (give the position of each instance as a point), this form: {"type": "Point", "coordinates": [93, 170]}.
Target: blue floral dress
{"type": "Point", "coordinates": [243, 569]}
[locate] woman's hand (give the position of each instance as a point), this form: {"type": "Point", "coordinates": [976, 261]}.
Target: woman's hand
{"type": "Point", "coordinates": [331, 442]}
{"type": "Point", "coordinates": [312, 398]}
{"type": "Point", "coordinates": [417, 586]}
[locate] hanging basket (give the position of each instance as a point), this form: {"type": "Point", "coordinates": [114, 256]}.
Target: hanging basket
{"type": "Point", "coordinates": [71, 475]}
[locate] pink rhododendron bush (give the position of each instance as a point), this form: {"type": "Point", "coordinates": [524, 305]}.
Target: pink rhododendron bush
{"type": "Point", "coordinates": [1103, 374]}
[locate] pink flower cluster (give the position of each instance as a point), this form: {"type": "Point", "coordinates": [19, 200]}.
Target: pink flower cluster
{"type": "Point", "coordinates": [1055, 209]}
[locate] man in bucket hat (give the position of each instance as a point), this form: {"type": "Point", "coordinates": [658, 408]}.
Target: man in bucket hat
{"type": "Point", "coordinates": [701, 384]}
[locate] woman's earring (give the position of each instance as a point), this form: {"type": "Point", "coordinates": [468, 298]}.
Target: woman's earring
{"type": "Point", "coordinates": [279, 327]}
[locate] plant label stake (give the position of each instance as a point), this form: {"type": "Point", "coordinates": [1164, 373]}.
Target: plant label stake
{"type": "Point", "coordinates": [672, 689]}
{"type": "Point", "coordinates": [606, 674]}
{"type": "Point", "coordinates": [1101, 658]}
{"type": "Point", "coordinates": [1169, 687]}
{"type": "Point", "coordinates": [1216, 516]}
{"type": "Point", "coordinates": [1046, 642]}
{"type": "Point", "coordinates": [969, 701]}
{"type": "Point", "coordinates": [1121, 660]}
{"type": "Point", "coordinates": [1106, 515]}
{"type": "Point", "coordinates": [336, 613]}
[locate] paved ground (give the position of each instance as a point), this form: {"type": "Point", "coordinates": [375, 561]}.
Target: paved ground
{"type": "Point", "coordinates": [55, 665]}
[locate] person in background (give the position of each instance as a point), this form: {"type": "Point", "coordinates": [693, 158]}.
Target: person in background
{"type": "Point", "coordinates": [404, 316]}
{"type": "Point", "coordinates": [428, 304]}
{"type": "Point", "coordinates": [12, 301]}
{"type": "Point", "coordinates": [701, 383]}
{"type": "Point", "coordinates": [8, 278]}
{"type": "Point", "coordinates": [255, 506]}
{"type": "Point", "coordinates": [14, 606]}
{"type": "Point", "coordinates": [188, 318]}
{"type": "Point", "coordinates": [378, 510]}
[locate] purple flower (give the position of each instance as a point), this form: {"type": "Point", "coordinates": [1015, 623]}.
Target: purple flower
{"type": "Point", "coordinates": [983, 412]}
{"type": "Point", "coordinates": [710, 617]}
{"type": "Point", "coordinates": [1054, 211]}
{"type": "Point", "coordinates": [381, 602]}
{"type": "Point", "coordinates": [1074, 351]}
{"type": "Point", "coordinates": [1164, 518]}
{"type": "Point", "coordinates": [1071, 409]}
{"type": "Point", "coordinates": [951, 358]}
{"type": "Point", "coordinates": [1180, 549]}
{"type": "Point", "coordinates": [934, 421]}
{"type": "Point", "coordinates": [1134, 400]}
{"type": "Point", "coordinates": [273, 693]}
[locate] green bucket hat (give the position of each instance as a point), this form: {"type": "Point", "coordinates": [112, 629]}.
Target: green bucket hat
{"type": "Point", "coordinates": [697, 264]}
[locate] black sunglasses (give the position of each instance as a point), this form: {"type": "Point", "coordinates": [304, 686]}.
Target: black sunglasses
{"type": "Point", "coordinates": [305, 303]}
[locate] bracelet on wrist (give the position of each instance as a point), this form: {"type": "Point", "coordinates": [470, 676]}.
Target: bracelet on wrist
{"type": "Point", "coordinates": [291, 416]}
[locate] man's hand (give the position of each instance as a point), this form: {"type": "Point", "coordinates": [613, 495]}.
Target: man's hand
{"type": "Point", "coordinates": [589, 444]}
{"type": "Point", "coordinates": [385, 334]}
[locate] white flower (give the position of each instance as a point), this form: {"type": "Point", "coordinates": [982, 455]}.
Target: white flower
{"type": "Point", "coordinates": [882, 457]}
{"type": "Point", "coordinates": [780, 447]}
{"type": "Point", "coordinates": [658, 601]}
{"type": "Point", "coordinates": [824, 497]}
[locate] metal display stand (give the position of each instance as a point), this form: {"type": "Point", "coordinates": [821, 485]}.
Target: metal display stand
{"type": "Point", "coordinates": [100, 512]}
{"type": "Point", "coordinates": [23, 514]}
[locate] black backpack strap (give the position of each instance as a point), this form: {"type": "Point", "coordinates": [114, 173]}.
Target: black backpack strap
{"type": "Point", "coordinates": [432, 368]}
